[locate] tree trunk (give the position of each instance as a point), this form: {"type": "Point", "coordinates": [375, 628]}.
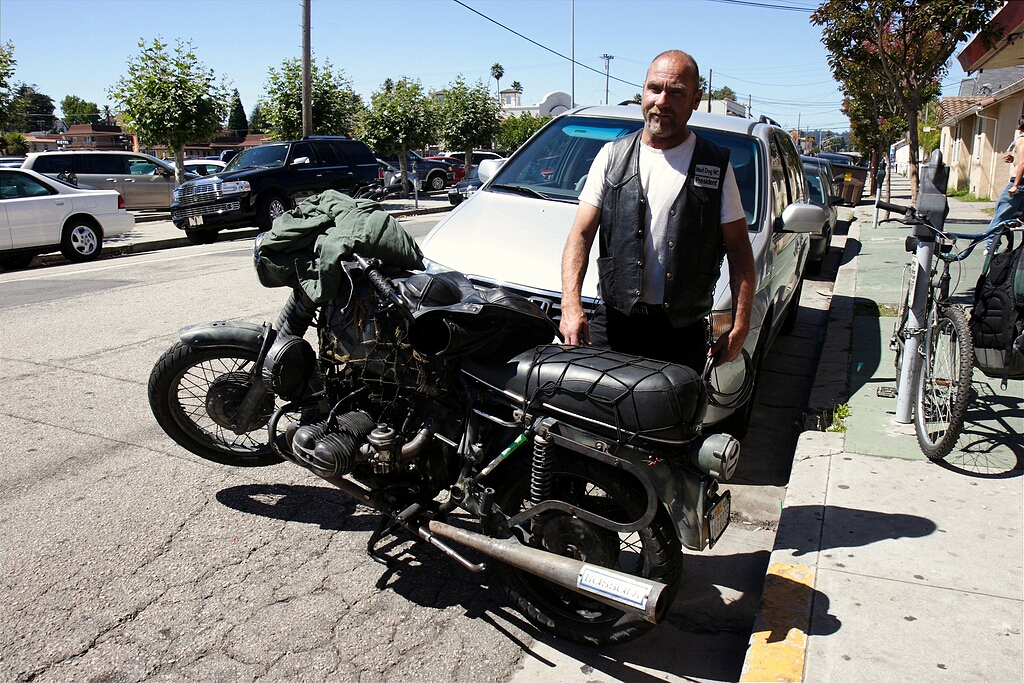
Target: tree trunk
{"type": "Point", "coordinates": [915, 153]}
{"type": "Point", "coordinates": [179, 165]}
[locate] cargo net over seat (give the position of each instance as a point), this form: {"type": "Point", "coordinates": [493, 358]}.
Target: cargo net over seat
{"type": "Point", "coordinates": [624, 397]}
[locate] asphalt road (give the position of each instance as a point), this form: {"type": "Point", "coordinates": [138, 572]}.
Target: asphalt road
{"type": "Point", "coordinates": [127, 558]}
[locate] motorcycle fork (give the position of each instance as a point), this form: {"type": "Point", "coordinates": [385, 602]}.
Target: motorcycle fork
{"type": "Point", "coordinates": [242, 419]}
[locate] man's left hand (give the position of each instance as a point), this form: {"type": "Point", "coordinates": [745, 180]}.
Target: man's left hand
{"type": "Point", "coordinates": [728, 347]}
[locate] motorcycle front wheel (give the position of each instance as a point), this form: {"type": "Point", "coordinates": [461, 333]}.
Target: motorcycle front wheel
{"type": "Point", "coordinates": [653, 552]}
{"type": "Point", "coordinates": [193, 393]}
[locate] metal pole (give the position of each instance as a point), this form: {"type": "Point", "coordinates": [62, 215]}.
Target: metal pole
{"type": "Point", "coordinates": [307, 78]}
{"type": "Point", "coordinates": [572, 55]}
{"type": "Point", "coordinates": [606, 58]}
{"type": "Point", "coordinates": [710, 74]}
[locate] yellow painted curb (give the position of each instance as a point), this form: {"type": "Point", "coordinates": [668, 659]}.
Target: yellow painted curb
{"type": "Point", "coordinates": [779, 640]}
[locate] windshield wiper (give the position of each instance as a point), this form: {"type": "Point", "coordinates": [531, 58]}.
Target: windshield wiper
{"type": "Point", "coordinates": [521, 189]}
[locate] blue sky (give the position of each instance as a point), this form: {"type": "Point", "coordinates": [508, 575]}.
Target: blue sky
{"type": "Point", "coordinates": [81, 47]}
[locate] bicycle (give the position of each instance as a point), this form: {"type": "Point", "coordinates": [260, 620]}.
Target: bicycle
{"type": "Point", "coordinates": [933, 333]}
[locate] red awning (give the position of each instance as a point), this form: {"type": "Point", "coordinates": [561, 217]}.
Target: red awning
{"type": "Point", "coordinates": [1008, 49]}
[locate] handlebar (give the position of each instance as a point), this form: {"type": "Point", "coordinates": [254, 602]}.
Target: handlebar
{"type": "Point", "coordinates": [382, 284]}
{"type": "Point", "coordinates": [895, 208]}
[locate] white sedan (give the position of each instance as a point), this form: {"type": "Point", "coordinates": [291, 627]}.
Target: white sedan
{"type": "Point", "coordinates": [39, 214]}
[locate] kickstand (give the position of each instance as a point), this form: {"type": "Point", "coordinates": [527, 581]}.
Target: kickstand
{"type": "Point", "coordinates": [384, 526]}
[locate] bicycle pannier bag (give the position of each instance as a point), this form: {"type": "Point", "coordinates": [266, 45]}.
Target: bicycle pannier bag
{"type": "Point", "coordinates": [997, 319]}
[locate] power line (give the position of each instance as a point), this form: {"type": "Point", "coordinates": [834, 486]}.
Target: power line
{"type": "Point", "coordinates": [766, 5]}
{"type": "Point", "coordinates": [543, 47]}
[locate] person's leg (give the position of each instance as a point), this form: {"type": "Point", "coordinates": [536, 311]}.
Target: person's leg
{"type": "Point", "coordinates": [1006, 205]}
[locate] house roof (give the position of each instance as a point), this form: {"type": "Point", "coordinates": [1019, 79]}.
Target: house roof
{"type": "Point", "coordinates": [1008, 50]}
{"type": "Point", "coordinates": [952, 109]}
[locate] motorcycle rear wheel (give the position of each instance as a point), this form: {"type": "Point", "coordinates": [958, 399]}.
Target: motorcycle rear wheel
{"type": "Point", "coordinates": [653, 552]}
{"type": "Point", "coordinates": [193, 391]}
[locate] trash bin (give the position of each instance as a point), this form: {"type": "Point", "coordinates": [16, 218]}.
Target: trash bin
{"type": "Point", "coordinates": [853, 178]}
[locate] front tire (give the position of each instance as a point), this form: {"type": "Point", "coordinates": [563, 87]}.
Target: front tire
{"type": "Point", "coordinates": [653, 552]}
{"type": "Point", "coordinates": [268, 209]}
{"type": "Point", "coordinates": [193, 392]}
{"type": "Point", "coordinates": [81, 241]}
{"type": "Point", "coordinates": [943, 383]}
{"type": "Point", "coordinates": [436, 182]}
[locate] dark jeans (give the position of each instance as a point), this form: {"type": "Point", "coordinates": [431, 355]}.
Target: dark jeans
{"type": "Point", "coordinates": [650, 335]}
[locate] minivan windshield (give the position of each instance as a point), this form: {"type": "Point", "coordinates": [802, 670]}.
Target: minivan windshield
{"type": "Point", "coordinates": [555, 164]}
{"type": "Point", "coordinates": [264, 156]}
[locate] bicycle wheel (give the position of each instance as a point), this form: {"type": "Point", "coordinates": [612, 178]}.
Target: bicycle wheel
{"type": "Point", "coordinates": [943, 382]}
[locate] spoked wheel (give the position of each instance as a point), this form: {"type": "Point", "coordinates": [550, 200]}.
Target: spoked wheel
{"type": "Point", "coordinates": [194, 392]}
{"type": "Point", "coordinates": [653, 552]}
{"type": "Point", "coordinates": [943, 385]}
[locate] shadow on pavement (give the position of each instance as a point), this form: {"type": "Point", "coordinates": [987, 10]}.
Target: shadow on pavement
{"type": "Point", "coordinates": [990, 446]}
{"type": "Point", "coordinates": [848, 527]}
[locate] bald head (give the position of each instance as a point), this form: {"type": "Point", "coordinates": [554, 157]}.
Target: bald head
{"type": "Point", "coordinates": [682, 62]}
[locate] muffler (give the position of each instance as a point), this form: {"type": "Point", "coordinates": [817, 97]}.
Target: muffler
{"type": "Point", "coordinates": [631, 593]}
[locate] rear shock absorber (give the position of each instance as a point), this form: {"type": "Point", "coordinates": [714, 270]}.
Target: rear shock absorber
{"type": "Point", "coordinates": [540, 473]}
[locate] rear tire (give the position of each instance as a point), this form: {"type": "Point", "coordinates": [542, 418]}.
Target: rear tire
{"type": "Point", "coordinates": [81, 241]}
{"type": "Point", "coordinates": [943, 382]}
{"type": "Point", "coordinates": [654, 552]}
{"type": "Point", "coordinates": [192, 391]}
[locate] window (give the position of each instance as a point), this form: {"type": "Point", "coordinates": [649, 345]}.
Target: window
{"type": "Point", "coordinates": [15, 185]}
{"type": "Point", "coordinates": [140, 166]}
{"type": "Point", "coordinates": [52, 163]}
{"type": "Point", "coordinates": [328, 155]}
{"type": "Point", "coordinates": [301, 149]}
{"type": "Point", "coordinates": [780, 191]}
{"type": "Point", "coordinates": [100, 164]}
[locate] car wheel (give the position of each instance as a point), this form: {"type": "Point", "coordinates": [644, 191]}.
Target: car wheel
{"type": "Point", "coordinates": [738, 424]}
{"type": "Point", "coordinates": [201, 236]}
{"type": "Point", "coordinates": [270, 208]}
{"type": "Point", "coordinates": [81, 241]}
{"type": "Point", "coordinates": [436, 182]}
{"type": "Point", "coordinates": [789, 322]}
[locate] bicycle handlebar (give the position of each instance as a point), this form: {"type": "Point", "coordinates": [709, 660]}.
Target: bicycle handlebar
{"type": "Point", "coordinates": [896, 208]}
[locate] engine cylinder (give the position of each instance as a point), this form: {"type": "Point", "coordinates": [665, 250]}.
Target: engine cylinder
{"type": "Point", "coordinates": [330, 449]}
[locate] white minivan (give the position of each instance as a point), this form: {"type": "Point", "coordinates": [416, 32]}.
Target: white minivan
{"type": "Point", "coordinates": [511, 232]}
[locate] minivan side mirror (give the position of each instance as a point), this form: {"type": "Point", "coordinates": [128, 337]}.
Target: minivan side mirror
{"type": "Point", "coordinates": [802, 218]}
{"type": "Point", "coordinates": [487, 169]}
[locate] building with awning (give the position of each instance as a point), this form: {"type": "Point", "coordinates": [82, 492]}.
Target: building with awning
{"type": "Point", "coordinates": [980, 123]}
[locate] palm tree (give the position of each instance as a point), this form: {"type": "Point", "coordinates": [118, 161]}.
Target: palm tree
{"type": "Point", "coordinates": [497, 71]}
{"type": "Point", "coordinates": [517, 86]}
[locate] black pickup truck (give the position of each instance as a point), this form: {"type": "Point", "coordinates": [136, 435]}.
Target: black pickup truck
{"type": "Point", "coordinates": [261, 183]}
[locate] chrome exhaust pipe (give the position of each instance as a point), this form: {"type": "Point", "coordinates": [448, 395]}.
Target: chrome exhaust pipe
{"type": "Point", "coordinates": [623, 591]}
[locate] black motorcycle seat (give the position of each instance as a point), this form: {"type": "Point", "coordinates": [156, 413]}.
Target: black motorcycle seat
{"type": "Point", "coordinates": [616, 394]}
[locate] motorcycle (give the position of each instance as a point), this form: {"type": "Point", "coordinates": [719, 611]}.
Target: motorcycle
{"type": "Point", "coordinates": [447, 408]}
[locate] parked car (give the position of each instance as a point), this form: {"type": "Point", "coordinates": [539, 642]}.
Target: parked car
{"type": "Point", "coordinates": [390, 176]}
{"type": "Point", "coordinates": [144, 181]}
{"type": "Point", "coordinates": [39, 214]}
{"type": "Point", "coordinates": [262, 183]}
{"type": "Point", "coordinates": [823, 193]}
{"type": "Point", "coordinates": [457, 166]}
{"type": "Point", "coordinates": [434, 176]}
{"type": "Point", "coordinates": [511, 232]}
{"type": "Point", "coordinates": [11, 162]}
{"type": "Point", "coordinates": [470, 184]}
{"type": "Point", "coordinates": [478, 155]}
{"type": "Point", "coordinates": [203, 167]}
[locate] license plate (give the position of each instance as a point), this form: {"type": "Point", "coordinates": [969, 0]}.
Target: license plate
{"type": "Point", "coordinates": [718, 518]}
{"type": "Point", "coordinates": [194, 221]}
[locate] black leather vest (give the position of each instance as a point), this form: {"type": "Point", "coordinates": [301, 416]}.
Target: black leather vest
{"type": "Point", "coordinates": [694, 237]}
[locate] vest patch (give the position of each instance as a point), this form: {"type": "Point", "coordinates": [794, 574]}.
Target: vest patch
{"type": "Point", "coordinates": [707, 176]}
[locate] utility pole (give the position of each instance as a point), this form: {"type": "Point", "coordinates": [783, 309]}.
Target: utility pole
{"type": "Point", "coordinates": [711, 72]}
{"type": "Point", "coordinates": [572, 55]}
{"type": "Point", "coordinates": [606, 58]}
{"type": "Point", "coordinates": [307, 78]}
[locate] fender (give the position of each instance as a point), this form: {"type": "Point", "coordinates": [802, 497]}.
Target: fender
{"type": "Point", "coordinates": [226, 333]}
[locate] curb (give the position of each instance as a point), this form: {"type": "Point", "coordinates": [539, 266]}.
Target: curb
{"type": "Point", "coordinates": [777, 647]}
{"type": "Point", "coordinates": [143, 247]}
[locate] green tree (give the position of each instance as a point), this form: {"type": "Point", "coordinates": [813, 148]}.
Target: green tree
{"type": "Point", "coordinates": [238, 125]}
{"type": "Point", "coordinates": [497, 71]}
{"type": "Point", "coordinates": [928, 134]}
{"type": "Point", "coordinates": [336, 106]}
{"type": "Point", "coordinates": [401, 117]}
{"type": "Point", "coordinates": [30, 110]}
{"type": "Point", "coordinates": [517, 86]}
{"type": "Point", "coordinates": [76, 110]}
{"type": "Point", "coordinates": [515, 130]}
{"type": "Point", "coordinates": [906, 44]}
{"type": "Point", "coordinates": [723, 93]}
{"type": "Point", "coordinates": [257, 119]}
{"type": "Point", "coordinates": [170, 98]}
{"type": "Point", "coordinates": [468, 117]}
{"type": "Point", "coordinates": [14, 144]}
{"type": "Point", "coordinates": [7, 64]}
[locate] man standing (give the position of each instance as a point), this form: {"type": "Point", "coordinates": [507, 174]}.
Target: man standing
{"type": "Point", "coordinates": [1012, 199]}
{"type": "Point", "coordinates": [668, 209]}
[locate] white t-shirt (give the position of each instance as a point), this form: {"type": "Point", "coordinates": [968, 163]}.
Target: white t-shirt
{"type": "Point", "coordinates": [662, 175]}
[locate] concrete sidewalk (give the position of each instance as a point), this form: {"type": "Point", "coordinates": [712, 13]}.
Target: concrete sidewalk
{"type": "Point", "coordinates": [887, 566]}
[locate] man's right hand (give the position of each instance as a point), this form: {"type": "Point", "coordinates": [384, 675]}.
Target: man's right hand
{"type": "Point", "coordinates": [575, 329]}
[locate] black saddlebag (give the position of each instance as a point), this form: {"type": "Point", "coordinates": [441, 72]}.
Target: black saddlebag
{"type": "Point", "coordinates": [617, 395]}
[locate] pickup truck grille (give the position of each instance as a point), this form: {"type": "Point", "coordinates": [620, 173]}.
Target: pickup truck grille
{"type": "Point", "coordinates": [193, 211]}
{"type": "Point", "coordinates": [199, 194]}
